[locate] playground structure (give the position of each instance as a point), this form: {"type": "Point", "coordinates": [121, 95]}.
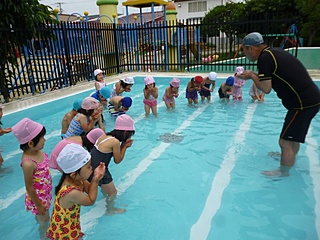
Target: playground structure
{"type": "Point", "coordinates": [68, 52]}
{"type": "Point", "coordinates": [75, 49]}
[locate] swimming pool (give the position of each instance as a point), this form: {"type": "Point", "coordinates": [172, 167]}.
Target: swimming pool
{"type": "Point", "coordinates": [207, 186]}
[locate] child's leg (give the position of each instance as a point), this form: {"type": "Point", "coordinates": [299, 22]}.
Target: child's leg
{"type": "Point", "coordinates": [173, 104]}
{"type": "Point", "coordinates": [147, 109]}
{"type": "Point", "coordinates": [189, 101]}
{"type": "Point", "coordinates": [110, 192]}
{"type": "Point", "coordinates": [43, 221]}
{"type": "Point", "coordinates": [195, 101]}
{"type": "Point", "coordinates": [168, 105]}
{"type": "Point", "coordinates": [154, 110]}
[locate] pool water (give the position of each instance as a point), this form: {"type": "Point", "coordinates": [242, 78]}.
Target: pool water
{"type": "Point", "coordinates": [207, 186]}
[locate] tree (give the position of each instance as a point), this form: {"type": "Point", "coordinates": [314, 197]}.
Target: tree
{"type": "Point", "coordinates": [310, 27]}
{"type": "Point", "coordinates": [18, 15]}
{"type": "Point", "coordinates": [224, 19]}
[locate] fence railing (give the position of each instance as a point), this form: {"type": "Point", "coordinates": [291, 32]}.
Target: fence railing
{"type": "Point", "coordinates": [62, 55]}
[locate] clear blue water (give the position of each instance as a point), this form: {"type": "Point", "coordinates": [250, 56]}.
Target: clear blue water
{"type": "Point", "coordinates": [208, 186]}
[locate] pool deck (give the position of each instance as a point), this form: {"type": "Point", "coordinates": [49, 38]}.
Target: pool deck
{"type": "Point", "coordinates": [30, 101]}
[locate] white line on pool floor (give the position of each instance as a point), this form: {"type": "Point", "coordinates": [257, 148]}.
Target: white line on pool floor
{"type": "Point", "coordinates": [200, 230]}
{"type": "Point", "coordinates": [89, 219]}
{"type": "Point", "coordinates": [313, 156]}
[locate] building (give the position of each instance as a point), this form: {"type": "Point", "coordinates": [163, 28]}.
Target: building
{"type": "Point", "coordinates": [195, 9]}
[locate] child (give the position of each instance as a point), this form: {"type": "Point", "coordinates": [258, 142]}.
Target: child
{"type": "Point", "coordinates": [99, 77]}
{"type": "Point", "coordinates": [205, 91]}
{"type": "Point", "coordinates": [36, 171]}
{"type": "Point", "coordinates": [88, 140]}
{"type": "Point", "coordinates": [171, 93]}
{"type": "Point", "coordinates": [72, 191]}
{"type": "Point", "coordinates": [192, 89]}
{"type": "Point", "coordinates": [69, 116]}
{"type": "Point", "coordinates": [119, 105]}
{"type": "Point", "coordinates": [102, 95]}
{"type": "Point", "coordinates": [123, 85]}
{"type": "Point", "coordinates": [226, 88]}
{"type": "Point", "coordinates": [112, 144]}
{"type": "Point", "coordinates": [238, 84]}
{"type": "Point", "coordinates": [87, 117]}
{"type": "Point", "coordinates": [150, 92]}
{"type": "Point", "coordinates": [256, 93]}
{"type": "Point", "coordinates": [2, 131]}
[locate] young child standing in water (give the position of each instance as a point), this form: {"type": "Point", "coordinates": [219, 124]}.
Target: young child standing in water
{"type": "Point", "coordinates": [36, 171]}
{"type": "Point", "coordinates": [99, 77]}
{"type": "Point", "coordinates": [2, 131]}
{"type": "Point", "coordinates": [114, 145]}
{"type": "Point", "coordinates": [206, 90]}
{"type": "Point", "coordinates": [123, 85]}
{"type": "Point", "coordinates": [238, 84]}
{"type": "Point", "coordinates": [88, 115]}
{"type": "Point", "coordinates": [171, 93]}
{"type": "Point", "coordinates": [73, 191]}
{"type": "Point", "coordinates": [226, 88]}
{"type": "Point", "coordinates": [150, 92]}
{"type": "Point", "coordinates": [256, 93]}
{"type": "Point", "coordinates": [193, 88]}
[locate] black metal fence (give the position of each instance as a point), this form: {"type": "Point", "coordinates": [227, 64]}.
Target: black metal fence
{"type": "Point", "coordinates": [62, 55]}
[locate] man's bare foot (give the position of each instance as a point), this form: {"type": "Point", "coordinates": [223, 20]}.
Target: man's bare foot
{"type": "Point", "coordinates": [276, 173]}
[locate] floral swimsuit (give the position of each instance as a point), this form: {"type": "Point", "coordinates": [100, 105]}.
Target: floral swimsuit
{"type": "Point", "coordinates": [42, 183]}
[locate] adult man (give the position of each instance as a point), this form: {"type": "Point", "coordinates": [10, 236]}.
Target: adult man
{"type": "Point", "coordinates": [282, 72]}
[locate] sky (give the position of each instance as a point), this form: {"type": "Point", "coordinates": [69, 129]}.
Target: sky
{"type": "Point", "coordinates": [80, 6]}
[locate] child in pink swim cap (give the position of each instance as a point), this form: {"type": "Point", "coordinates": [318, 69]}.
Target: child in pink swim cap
{"type": "Point", "coordinates": [87, 141]}
{"type": "Point", "coordinates": [171, 93]}
{"type": "Point", "coordinates": [114, 145]}
{"type": "Point", "coordinates": [238, 84]}
{"type": "Point", "coordinates": [36, 171]}
{"type": "Point", "coordinates": [88, 115]}
{"type": "Point", "coordinates": [150, 92]}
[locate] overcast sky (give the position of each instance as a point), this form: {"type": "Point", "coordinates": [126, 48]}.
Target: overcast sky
{"type": "Point", "coordinates": [80, 6]}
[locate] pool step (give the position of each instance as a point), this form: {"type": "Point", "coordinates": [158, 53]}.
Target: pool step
{"type": "Point", "coordinates": [314, 73]}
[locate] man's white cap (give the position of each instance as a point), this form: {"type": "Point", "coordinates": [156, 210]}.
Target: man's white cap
{"type": "Point", "coordinates": [212, 76]}
{"type": "Point", "coordinates": [72, 157]}
{"type": "Point", "coordinates": [97, 71]}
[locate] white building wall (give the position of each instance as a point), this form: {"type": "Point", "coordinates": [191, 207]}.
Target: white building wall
{"type": "Point", "coordinates": [183, 10]}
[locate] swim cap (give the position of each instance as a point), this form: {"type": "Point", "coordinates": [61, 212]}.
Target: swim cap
{"type": "Point", "coordinates": [212, 76]}
{"type": "Point", "coordinates": [94, 134]}
{"type": "Point", "coordinates": [72, 157]}
{"type": "Point", "coordinates": [239, 70]}
{"type": "Point", "coordinates": [230, 81]}
{"type": "Point", "coordinates": [97, 71]}
{"type": "Point", "coordinates": [128, 80]}
{"type": "Point", "coordinates": [198, 79]}
{"type": "Point", "coordinates": [89, 103]}
{"type": "Point", "coordinates": [77, 104]}
{"type": "Point", "coordinates": [175, 82]}
{"type": "Point", "coordinates": [124, 122]}
{"type": "Point", "coordinates": [26, 130]}
{"type": "Point", "coordinates": [148, 80]}
{"type": "Point", "coordinates": [105, 92]}
{"type": "Point", "coordinates": [126, 102]}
